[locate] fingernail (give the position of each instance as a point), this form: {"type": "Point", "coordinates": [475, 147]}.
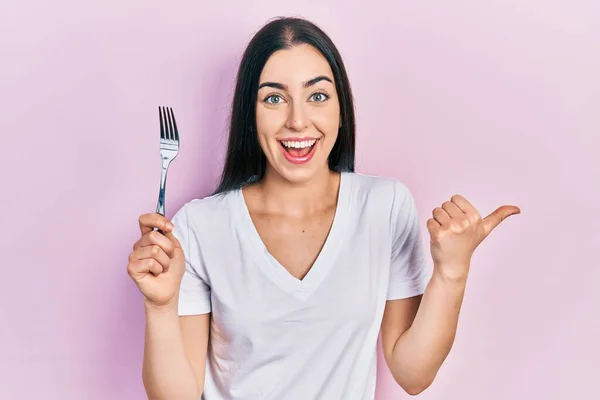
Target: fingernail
{"type": "Point", "coordinates": [170, 226]}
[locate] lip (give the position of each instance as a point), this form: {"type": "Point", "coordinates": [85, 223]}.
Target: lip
{"type": "Point", "coordinates": [298, 160]}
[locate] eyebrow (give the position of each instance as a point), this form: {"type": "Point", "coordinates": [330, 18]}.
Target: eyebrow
{"type": "Point", "coordinates": [308, 83]}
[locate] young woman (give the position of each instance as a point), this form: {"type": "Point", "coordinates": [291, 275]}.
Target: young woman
{"type": "Point", "coordinates": [277, 285]}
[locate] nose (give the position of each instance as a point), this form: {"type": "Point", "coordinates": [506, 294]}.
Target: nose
{"type": "Point", "coordinates": [297, 119]}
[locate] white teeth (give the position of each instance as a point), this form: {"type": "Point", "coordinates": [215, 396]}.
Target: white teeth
{"type": "Point", "coordinates": [299, 145]}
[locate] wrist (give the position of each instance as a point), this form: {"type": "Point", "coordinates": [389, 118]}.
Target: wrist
{"type": "Point", "coordinates": [166, 308]}
{"type": "Point", "coordinates": [450, 275]}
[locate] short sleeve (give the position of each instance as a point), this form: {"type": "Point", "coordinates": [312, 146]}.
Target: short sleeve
{"type": "Point", "coordinates": [409, 269]}
{"type": "Point", "coordinates": [194, 293]}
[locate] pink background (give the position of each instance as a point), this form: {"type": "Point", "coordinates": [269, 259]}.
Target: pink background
{"type": "Point", "coordinates": [495, 100]}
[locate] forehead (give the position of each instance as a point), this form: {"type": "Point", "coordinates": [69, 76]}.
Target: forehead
{"type": "Point", "coordinates": [295, 65]}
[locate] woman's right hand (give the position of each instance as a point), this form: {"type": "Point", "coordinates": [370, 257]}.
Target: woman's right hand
{"type": "Point", "coordinates": [157, 262]}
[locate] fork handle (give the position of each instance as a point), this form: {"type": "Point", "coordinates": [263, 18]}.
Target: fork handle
{"type": "Point", "coordinates": [160, 206]}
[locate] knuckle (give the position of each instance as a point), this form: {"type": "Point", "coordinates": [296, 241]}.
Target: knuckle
{"type": "Point", "coordinates": [459, 225]}
{"type": "Point", "coordinates": [143, 219]}
{"type": "Point", "coordinates": [155, 250]}
{"type": "Point", "coordinates": [153, 236]}
{"type": "Point", "coordinates": [456, 227]}
{"type": "Point", "coordinates": [131, 267]}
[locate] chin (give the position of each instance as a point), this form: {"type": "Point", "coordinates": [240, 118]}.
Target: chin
{"type": "Point", "coordinates": [299, 176]}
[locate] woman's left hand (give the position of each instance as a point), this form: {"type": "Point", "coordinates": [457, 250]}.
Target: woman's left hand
{"type": "Point", "coordinates": [456, 230]}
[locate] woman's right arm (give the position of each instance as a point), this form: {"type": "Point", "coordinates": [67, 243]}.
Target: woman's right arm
{"type": "Point", "coordinates": [175, 347]}
{"type": "Point", "coordinates": [174, 354]}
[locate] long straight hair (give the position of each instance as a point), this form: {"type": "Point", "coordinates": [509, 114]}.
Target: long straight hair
{"type": "Point", "coordinates": [245, 162]}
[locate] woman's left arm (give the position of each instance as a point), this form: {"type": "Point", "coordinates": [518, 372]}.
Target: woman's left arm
{"type": "Point", "coordinates": [418, 332]}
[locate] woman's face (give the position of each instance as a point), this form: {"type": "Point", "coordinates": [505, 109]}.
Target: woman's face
{"type": "Point", "coordinates": [297, 113]}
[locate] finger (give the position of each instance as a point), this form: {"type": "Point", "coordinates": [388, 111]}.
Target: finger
{"type": "Point", "coordinates": [453, 210]}
{"type": "Point", "coordinates": [153, 266]}
{"type": "Point", "coordinates": [155, 238]}
{"type": "Point", "coordinates": [432, 226]}
{"type": "Point", "coordinates": [173, 239]}
{"type": "Point", "coordinates": [139, 268]}
{"type": "Point", "coordinates": [500, 214]}
{"type": "Point", "coordinates": [467, 208]}
{"type": "Point", "coordinates": [441, 216]}
{"type": "Point", "coordinates": [464, 204]}
{"type": "Point", "coordinates": [154, 252]}
{"type": "Point", "coordinates": [148, 222]}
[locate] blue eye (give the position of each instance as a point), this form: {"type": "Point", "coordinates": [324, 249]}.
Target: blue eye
{"type": "Point", "coordinates": [273, 99]}
{"type": "Point", "coordinates": [319, 97]}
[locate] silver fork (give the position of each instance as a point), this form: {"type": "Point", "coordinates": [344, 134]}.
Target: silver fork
{"type": "Point", "coordinates": [169, 147]}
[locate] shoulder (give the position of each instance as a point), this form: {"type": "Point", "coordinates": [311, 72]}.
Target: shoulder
{"type": "Point", "coordinates": [214, 204]}
{"type": "Point", "coordinates": [209, 211]}
{"type": "Point", "coordinates": [387, 192]}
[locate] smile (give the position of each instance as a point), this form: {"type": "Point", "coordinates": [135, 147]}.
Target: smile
{"type": "Point", "coordinates": [298, 151]}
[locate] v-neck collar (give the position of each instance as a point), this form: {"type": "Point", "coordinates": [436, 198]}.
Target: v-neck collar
{"type": "Point", "coordinates": [300, 288]}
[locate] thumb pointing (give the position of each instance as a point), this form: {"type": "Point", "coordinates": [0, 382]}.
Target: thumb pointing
{"type": "Point", "coordinates": [500, 214]}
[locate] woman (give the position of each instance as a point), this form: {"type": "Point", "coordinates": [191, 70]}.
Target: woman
{"type": "Point", "coordinates": [294, 265]}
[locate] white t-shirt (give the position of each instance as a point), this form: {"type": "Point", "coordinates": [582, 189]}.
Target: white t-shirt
{"type": "Point", "coordinates": [275, 337]}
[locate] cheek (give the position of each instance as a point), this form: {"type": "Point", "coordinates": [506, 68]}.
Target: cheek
{"type": "Point", "coordinates": [328, 123]}
{"type": "Point", "coordinates": [268, 122]}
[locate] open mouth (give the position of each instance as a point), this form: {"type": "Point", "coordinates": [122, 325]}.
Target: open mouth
{"type": "Point", "coordinates": [298, 151]}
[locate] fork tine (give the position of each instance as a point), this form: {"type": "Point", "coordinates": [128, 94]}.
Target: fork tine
{"type": "Point", "coordinates": [169, 123]}
{"type": "Point", "coordinates": [175, 131]}
{"type": "Point", "coordinates": [162, 125]}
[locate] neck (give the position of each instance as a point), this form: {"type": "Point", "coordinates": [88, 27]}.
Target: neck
{"type": "Point", "coordinates": [282, 196]}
